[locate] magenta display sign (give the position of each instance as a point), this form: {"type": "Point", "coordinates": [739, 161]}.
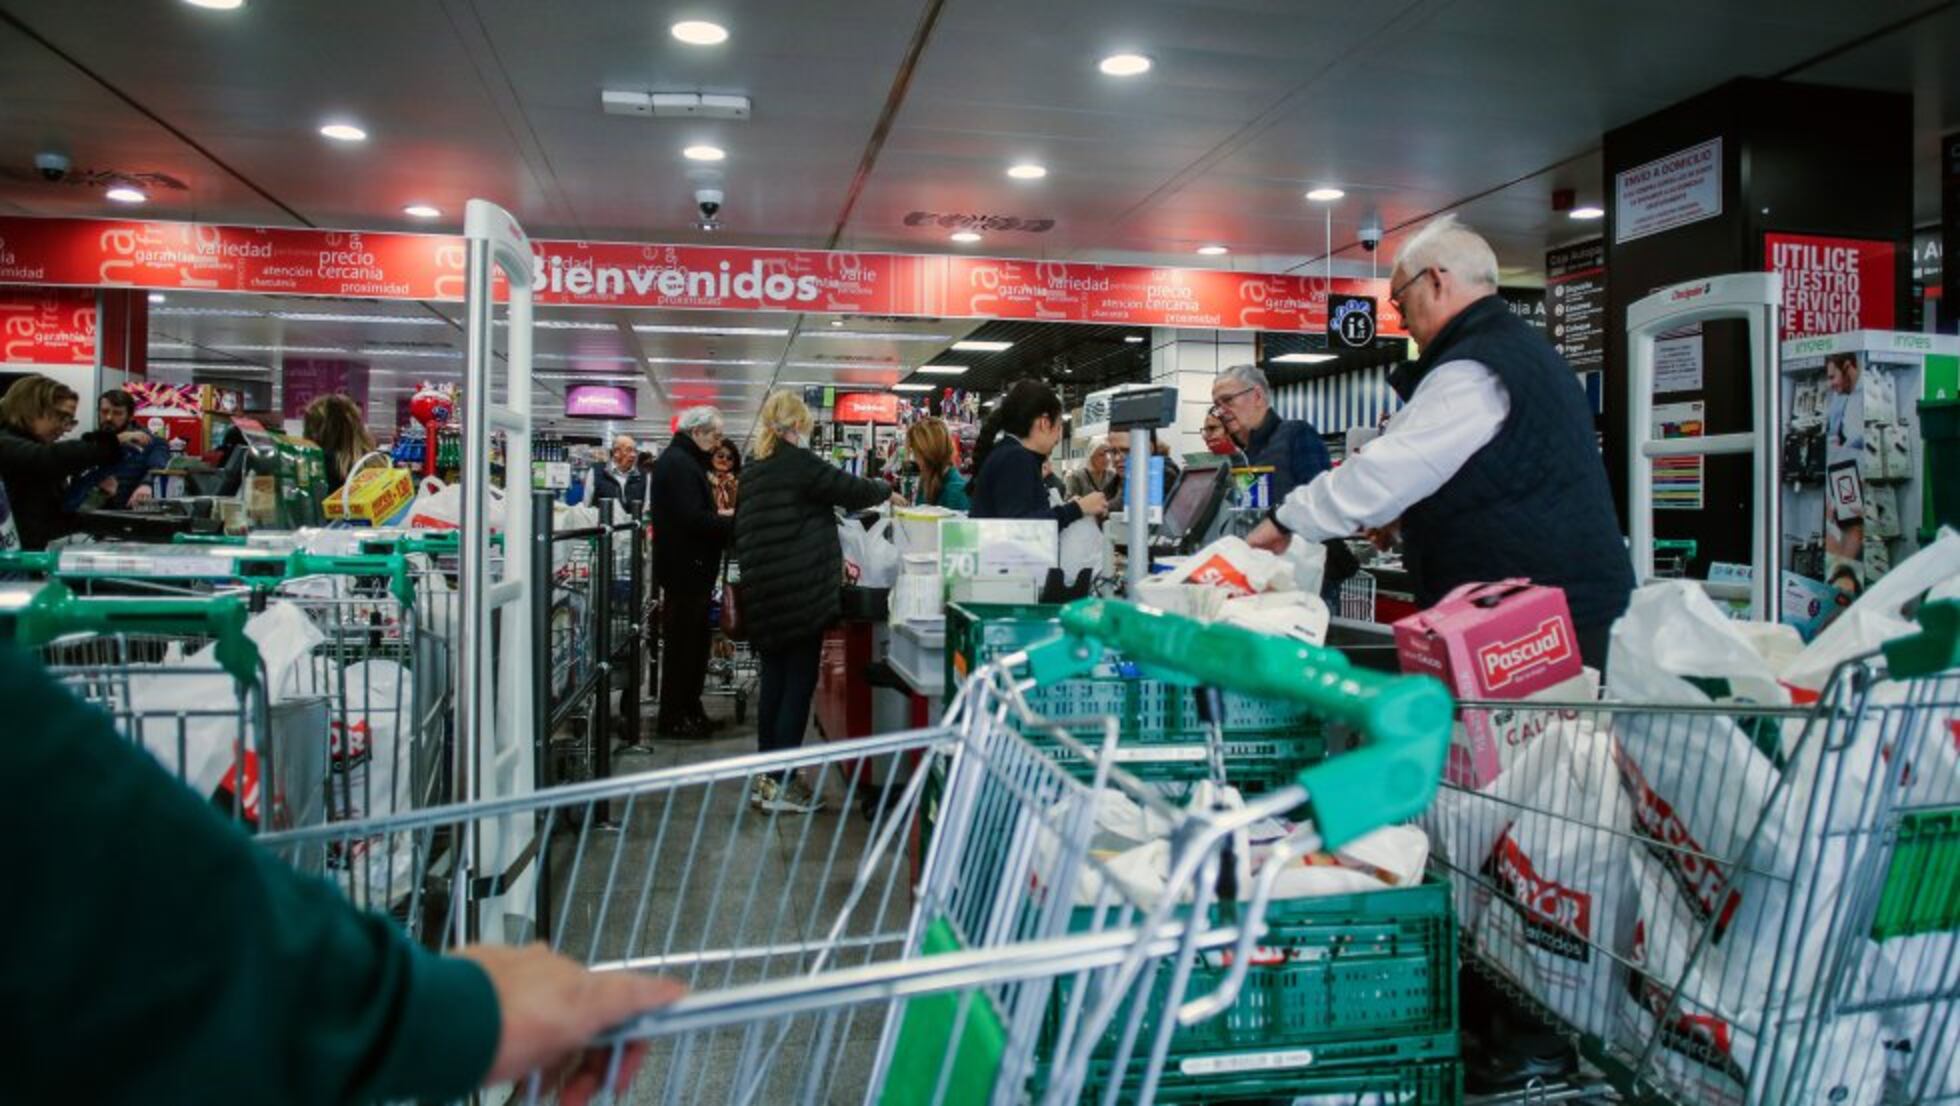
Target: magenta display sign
{"type": "Point", "coordinates": [600, 401]}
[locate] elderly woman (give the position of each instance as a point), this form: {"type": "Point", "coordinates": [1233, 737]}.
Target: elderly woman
{"type": "Point", "coordinates": [35, 464]}
{"type": "Point", "coordinates": [1093, 476]}
{"type": "Point", "coordinates": [688, 536]}
{"type": "Point", "coordinates": [792, 566]}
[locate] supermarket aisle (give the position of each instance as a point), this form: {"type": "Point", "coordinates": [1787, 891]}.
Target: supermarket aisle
{"type": "Point", "coordinates": [706, 882]}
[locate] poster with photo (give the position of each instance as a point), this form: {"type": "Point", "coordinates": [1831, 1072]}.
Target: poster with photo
{"type": "Point", "coordinates": [1844, 486]}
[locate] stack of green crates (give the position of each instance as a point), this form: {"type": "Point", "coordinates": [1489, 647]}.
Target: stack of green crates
{"type": "Point", "coordinates": [1352, 995]}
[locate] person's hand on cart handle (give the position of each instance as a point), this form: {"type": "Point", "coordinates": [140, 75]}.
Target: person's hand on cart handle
{"type": "Point", "coordinates": [552, 1008]}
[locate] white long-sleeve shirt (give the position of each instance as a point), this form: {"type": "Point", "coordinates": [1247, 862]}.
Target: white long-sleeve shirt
{"type": "Point", "coordinates": [1455, 411]}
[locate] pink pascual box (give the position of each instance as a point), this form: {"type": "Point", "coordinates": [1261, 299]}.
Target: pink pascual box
{"type": "Point", "coordinates": [1503, 640]}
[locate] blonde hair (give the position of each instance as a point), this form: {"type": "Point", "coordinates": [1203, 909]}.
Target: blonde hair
{"type": "Point", "coordinates": [334, 423]}
{"type": "Point", "coordinates": [932, 448]}
{"type": "Point", "coordinates": [33, 397]}
{"type": "Point", "coordinates": [782, 413]}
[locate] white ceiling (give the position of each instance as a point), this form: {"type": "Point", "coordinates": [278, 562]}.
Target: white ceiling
{"type": "Point", "coordinates": [868, 110]}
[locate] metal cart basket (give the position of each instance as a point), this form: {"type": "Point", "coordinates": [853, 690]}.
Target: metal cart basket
{"type": "Point", "coordinates": [967, 943]}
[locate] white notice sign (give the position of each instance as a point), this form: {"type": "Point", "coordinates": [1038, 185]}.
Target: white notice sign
{"type": "Point", "coordinates": [1669, 192]}
{"type": "Point", "coordinates": [1677, 362]}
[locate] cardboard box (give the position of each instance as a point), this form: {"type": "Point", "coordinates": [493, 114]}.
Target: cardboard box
{"type": "Point", "coordinates": [1503, 640]}
{"type": "Point", "coordinates": [374, 496]}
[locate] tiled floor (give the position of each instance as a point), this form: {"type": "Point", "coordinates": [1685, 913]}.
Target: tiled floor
{"type": "Point", "coordinates": [697, 879]}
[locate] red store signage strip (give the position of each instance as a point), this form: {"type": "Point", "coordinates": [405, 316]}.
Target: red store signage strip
{"type": "Point", "coordinates": [47, 326]}
{"type": "Point", "coordinates": [200, 256]}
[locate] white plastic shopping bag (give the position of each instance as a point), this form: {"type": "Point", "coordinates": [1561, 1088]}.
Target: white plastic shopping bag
{"type": "Point", "coordinates": [870, 558]}
{"type": "Point", "coordinates": [1081, 549]}
{"type": "Point", "coordinates": [1565, 901]}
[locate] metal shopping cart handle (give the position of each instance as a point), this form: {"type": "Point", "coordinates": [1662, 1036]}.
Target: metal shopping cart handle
{"type": "Point", "coordinates": [1406, 719]}
{"type": "Point", "coordinates": [257, 569]}
{"type": "Point", "coordinates": [55, 612]}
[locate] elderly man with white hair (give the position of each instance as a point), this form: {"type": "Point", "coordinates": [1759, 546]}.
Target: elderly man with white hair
{"type": "Point", "coordinates": [1491, 467]}
{"type": "Point", "coordinates": [689, 535]}
{"type": "Point", "coordinates": [619, 479]}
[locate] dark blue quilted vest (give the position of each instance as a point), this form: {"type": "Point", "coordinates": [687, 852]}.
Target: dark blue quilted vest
{"type": "Point", "coordinates": [1534, 502]}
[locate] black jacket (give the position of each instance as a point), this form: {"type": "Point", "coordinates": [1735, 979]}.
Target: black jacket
{"type": "Point", "coordinates": [786, 542]}
{"type": "Point", "coordinates": [1541, 475]}
{"type": "Point", "coordinates": [37, 473]}
{"type": "Point", "coordinates": [604, 485]}
{"type": "Point", "coordinates": [1008, 485]}
{"type": "Point", "coordinates": [688, 535]}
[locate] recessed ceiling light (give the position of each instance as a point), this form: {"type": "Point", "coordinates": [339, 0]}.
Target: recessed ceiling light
{"type": "Point", "coordinates": [704, 153]}
{"type": "Point", "coordinates": [943, 370]}
{"type": "Point", "coordinates": [965, 237]}
{"type": "Point", "coordinates": [422, 211]}
{"type": "Point", "coordinates": [1027, 170]}
{"type": "Point", "coordinates": [156, 297]}
{"type": "Point", "coordinates": [217, 5]}
{"type": "Point", "coordinates": [699, 32]}
{"type": "Point", "coordinates": [836, 322]}
{"type": "Point", "coordinates": [1124, 65]}
{"type": "Point", "coordinates": [1588, 212]}
{"type": "Point", "coordinates": [125, 194]}
{"type": "Point", "coordinates": [1325, 195]}
{"type": "Point", "coordinates": [1305, 358]}
{"type": "Point", "coordinates": [971, 346]}
{"type": "Point", "coordinates": [1133, 338]}
{"type": "Point", "coordinates": [1213, 251]}
{"type": "Point", "coordinates": [911, 387]}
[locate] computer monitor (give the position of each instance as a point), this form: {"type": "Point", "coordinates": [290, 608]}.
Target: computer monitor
{"type": "Point", "coordinates": [1192, 504]}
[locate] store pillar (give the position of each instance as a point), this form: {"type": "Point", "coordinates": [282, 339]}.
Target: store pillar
{"type": "Point", "coordinates": [1188, 360]}
{"type": "Point", "coordinates": [1697, 190]}
{"type": "Point", "coordinates": [122, 337]}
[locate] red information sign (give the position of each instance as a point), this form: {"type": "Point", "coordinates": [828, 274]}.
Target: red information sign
{"type": "Point", "coordinates": [881, 407]}
{"type": "Point", "coordinates": [47, 326]}
{"type": "Point", "coordinates": [92, 252]}
{"type": "Point", "coordinates": [1831, 285]}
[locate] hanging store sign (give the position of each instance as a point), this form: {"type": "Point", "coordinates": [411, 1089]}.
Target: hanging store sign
{"type": "Point", "coordinates": [1668, 192]}
{"type": "Point", "coordinates": [601, 401]}
{"type": "Point", "coordinates": [285, 261]}
{"type": "Point", "coordinates": [1831, 285]}
{"type": "Point", "coordinates": [47, 326]}
{"type": "Point", "coordinates": [879, 407]}
{"type": "Point", "coordinates": [1351, 321]}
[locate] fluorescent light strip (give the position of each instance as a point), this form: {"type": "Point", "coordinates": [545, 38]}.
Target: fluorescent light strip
{"type": "Point", "coordinates": [574, 358]}
{"type": "Point", "coordinates": [224, 366]}
{"type": "Point", "coordinates": [942, 370]}
{"type": "Point", "coordinates": [706, 361]}
{"type": "Point", "coordinates": [170, 345]}
{"type": "Point", "coordinates": [591, 378]}
{"type": "Point", "coordinates": [876, 366]}
{"type": "Point", "coordinates": [443, 354]}
{"type": "Point", "coordinates": [333, 317]}
{"type": "Point", "coordinates": [1304, 358]}
{"type": "Point", "coordinates": [912, 387]}
{"type": "Point", "coordinates": [729, 331]}
{"type": "Point", "coordinates": [871, 335]}
{"type": "Point", "coordinates": [282, 349]}
{"type": "Point", "coordinates": [982, 347]}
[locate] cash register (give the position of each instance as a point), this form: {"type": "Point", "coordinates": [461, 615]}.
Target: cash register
{"type": "Point", "coordinates": [1191, 510]}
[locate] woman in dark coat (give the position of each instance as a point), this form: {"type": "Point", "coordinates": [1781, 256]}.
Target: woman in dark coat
{"type": "Point", "coordinates": [792, 570]}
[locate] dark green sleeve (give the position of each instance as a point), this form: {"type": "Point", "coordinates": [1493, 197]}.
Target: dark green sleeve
{"type": "Point", "coordinates": [832, 485]}
{"type": "Point", "coordinates": [154, 954]}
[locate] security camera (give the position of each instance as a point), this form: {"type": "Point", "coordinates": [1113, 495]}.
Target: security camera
{"type": "Point", "coordinates": [52, 166]}
{"type": "Point", "coordinates": [709, 201]}
{"type": "Point", "coordinates": [1371, 235]}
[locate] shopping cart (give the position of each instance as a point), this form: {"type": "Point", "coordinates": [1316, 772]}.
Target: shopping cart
{"type": "Point", "coordinates": [967, 943]}
{"type": "Point", "coordinates": [1357, 597]}
{"type": "Point", "coordinates": [180, 679]}
{"type": "Point", "coordinates": [1732, 904]}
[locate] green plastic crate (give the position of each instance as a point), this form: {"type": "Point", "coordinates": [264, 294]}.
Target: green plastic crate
{"type": "Point", "coordinates": [1430, 1083]}
{"type": "Point", "coordinates": [1366, 978]}
{"type": "Point", "coordinates": [1922, 886]}
{"type": "Point", "coordinates": [1162, 736]}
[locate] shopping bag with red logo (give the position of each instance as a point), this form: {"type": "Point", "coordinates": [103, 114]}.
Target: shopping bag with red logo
{"type": "Point", "coordinates": [1712, 1052]}
{"type": "Point", "coordinates": [1503, 640]}
{"type": "Point", "coordinates": [1563, 901]}
{"type": "Point", "coordinates": [1231, 564]}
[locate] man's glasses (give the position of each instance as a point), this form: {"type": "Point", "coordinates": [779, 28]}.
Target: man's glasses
{"type": "Point", "coordinates": [1395, 294]}
{"type": "Point", "coordinates": [1219, 404]}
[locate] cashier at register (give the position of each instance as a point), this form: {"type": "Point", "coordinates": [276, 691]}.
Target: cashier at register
{"type": "Point", "coordinates": [1490, 469]}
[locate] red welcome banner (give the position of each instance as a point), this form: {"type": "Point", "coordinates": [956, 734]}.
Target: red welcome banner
{"type": "Point", "coordinates": [201, 256]}
{"type": "Point", "coordinates": [47, 326]}
{"type": "Point", "coordinates": [1831, 285]}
